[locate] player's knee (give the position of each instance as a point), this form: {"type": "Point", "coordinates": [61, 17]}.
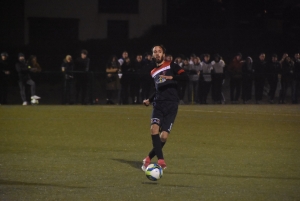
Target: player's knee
{"type": "Point", "coordinates": [163, 136]}
{"type": "Point", "coordinates": [154, 129]}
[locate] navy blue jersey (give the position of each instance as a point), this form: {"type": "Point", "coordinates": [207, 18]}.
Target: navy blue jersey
{"type": "Point", "coordinates": [166, 90]}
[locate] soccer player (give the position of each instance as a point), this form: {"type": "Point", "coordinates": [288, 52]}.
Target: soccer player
{"type": "Point", "coordinates": [165, 102]}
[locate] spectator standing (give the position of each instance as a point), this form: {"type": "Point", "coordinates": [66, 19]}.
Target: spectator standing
{"type": "Point", "coordinates": [136, 79]}
{"type": "Point", "coordinates": [217, 78]}
{"type": "Point", "coordinates": [247, 80]}
{"type": "Point", "coordinates": [32, 63]}
{"type": "Point", "coordinates": [192, 59]}
{"type": "Point", "coordinates": [24, 78]}
{"type": "Point", "coordinates": [178, 61]}
{"type": "Point", "coordinates": [273, 70]}
{"type": "Point", "coordinates": [146, 79]}
{"type": "Point", "coordinates": [194, 72]}
{"type": "Point", "coordinates": [5, 76]}
{"type": "Point", "coordinates": [127, 70]}
{"type": "Point", "coordinates": [296, 81]}
{"type": "Point", "coordinates": [286, 78]}
{"type": "Point", "coordinates": [67, 68]}
{"type": "Point", "coordinates": [182, 84]}
{"type": "Point", "coordinates": [259, 77]}
{"type": "Point", "coordinates": [169, 58]}
{"type": "Point", "coordinates": [206, 72]}
{"type": "Point", "coordinates": [123, 57]}
{"type": "Point", "coordinates": [121, 62]}
{"type": "Point", "coordinates": [112, 69]}
{"type": "Point", "coordinates": [235, 71]}
{"type": "Point", "coordinates": [82, 66]}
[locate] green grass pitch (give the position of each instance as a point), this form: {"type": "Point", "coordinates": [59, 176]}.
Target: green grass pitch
{"type": "Point", "coordinates": [214, 152]}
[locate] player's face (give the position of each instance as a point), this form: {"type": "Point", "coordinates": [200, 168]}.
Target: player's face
{"type": "Point", "coordinates": [21, 58]}
{"type": "Point", "coordinates": [158, 54]}
{"type": "Point", "coordinates": [274, 59]}
{"type": "Point", "coordinates": [262, 57]}
{"type": "Point", "coordinates": [195, 60]}
{"type": "Point", "coordinates": [139, 58]}
{"type": "Point", "coordinates": [206, 58]}
{"type": "Point", "coordinates": [83, 56]}
{"type": "Point", "coordinates": [125, 54]}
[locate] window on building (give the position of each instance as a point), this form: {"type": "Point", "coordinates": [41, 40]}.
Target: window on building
{"type": "Point", "coordinates": [117, 29]}
{"type": "Point", "coordinates": [53, 29]}
{"type": "Point", "coordinates": [118, 6]}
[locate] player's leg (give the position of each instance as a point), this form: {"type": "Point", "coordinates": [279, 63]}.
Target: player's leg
{"type": "Point", "coordinates": [163, 139]}
{"type": "Point", "coordinates": [170, 112]}
{"type": "Point", "coordinates": [156, 142]}
{"type": "Point", "coordinates": [157, 116]}
{"type": "Point", "coordinates": [22, 92]}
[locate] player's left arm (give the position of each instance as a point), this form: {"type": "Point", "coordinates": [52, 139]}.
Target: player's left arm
{"type": "Point", "coordinates": [179, 74]}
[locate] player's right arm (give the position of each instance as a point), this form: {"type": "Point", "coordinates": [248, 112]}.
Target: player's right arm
{"type": "Point", "coordinates": [147, 102]}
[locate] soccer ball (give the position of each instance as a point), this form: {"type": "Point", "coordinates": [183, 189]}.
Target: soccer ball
{"type": "Point", "coordinates": [154, 172]}
{"type": "Point", "coordinates": [34, 101]}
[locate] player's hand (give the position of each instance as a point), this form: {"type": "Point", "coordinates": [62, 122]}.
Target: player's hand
{"type": "Point", "coordinates": [166, 77]}
{"type": "Point", "coordinates": [146, 102]}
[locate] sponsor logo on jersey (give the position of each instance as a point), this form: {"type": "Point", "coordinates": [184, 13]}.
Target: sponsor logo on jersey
{"type": "Point", "coordinates": [160, 80]}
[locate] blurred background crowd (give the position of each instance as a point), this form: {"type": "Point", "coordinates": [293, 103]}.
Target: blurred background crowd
{"type": "Point", "coordinates": [241, 79]}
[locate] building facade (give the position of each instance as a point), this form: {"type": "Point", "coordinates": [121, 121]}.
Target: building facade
{"type": "Point", "coordinates": [90, 19]}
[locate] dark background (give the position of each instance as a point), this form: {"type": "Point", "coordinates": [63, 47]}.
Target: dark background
{"type": "Point", "coordinates": [206, 26]}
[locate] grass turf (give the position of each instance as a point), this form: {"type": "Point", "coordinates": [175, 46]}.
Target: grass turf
{"type": "Point", "coordinates": [215, 152]}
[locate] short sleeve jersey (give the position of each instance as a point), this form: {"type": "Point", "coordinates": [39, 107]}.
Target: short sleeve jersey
{"type": "Point", "coordinates": [166, 90]}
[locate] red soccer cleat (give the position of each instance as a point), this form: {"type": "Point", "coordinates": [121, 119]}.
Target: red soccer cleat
{"type": "Point", "coordinates": [162, 163]}
{"type": "Point", "coordinates": [146, 162]}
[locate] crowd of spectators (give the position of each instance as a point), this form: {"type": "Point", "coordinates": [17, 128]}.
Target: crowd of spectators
{"type": "Point", "coordinates": [128, 79]}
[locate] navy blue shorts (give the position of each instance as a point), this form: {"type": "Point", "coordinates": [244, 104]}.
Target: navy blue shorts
{"type": "Point", "coordinates": [164, 114]}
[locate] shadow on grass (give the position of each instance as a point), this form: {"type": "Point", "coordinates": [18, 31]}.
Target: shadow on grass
{"type": "Point", "coordinates": [150, 183]}
{"type": "Point", "coordinates": [134, 164]}
{"type": "Point", "coordinates": [13, 183]}
{"type": "Point", "coordinates": [236, 176]}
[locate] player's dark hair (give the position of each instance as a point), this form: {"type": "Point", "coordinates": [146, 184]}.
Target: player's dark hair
{"type": "Point", "coordinates": [161, 46]}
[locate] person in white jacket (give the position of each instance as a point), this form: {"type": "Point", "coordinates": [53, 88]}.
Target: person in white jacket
{"type": "Point", "coordinates": [217, 78]}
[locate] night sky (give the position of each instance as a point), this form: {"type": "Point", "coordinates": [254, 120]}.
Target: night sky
{"type": "Point", "coordinates": [223, 26]}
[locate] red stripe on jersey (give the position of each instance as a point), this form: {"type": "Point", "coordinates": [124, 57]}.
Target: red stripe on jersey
{"type": "Point", "coordinates": [166, 63]}
{"type": "Point", "coordinates": [180, 71]}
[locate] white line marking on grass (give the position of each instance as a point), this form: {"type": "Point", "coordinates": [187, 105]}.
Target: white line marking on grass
{"type": "Point", "coordinates": [228, 112]}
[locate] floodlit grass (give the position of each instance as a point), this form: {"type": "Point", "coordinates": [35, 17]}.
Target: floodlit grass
{"type": "Point", "coordinates": [215, 152]}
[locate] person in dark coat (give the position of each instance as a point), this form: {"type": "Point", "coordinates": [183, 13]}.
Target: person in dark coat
{"type": "Point", "coordinates": [24, 78]}
{"type": "Point", "coordinates": [287, 71]}
{"type": "Point", "coordinates": [273, 70]}
{"type": "Point", "coordinates": [67, 68]}
{"type": "Point", "coordinates": [259, 77]}
{"type": "Point", "coordinates": [112, 69]}
{"type": "Point", "coordinates": [127, 69]}
{"type": "Point", "coordinates": [247, 80]}
{"type": "Point", "coordinates": [146, 79]}
{"type": "Point", "coordinates": [296, 81]}
{"type": "Point", "coordinates": [5, 76]}
{"type": "Point", "coordinates": [235, 70]}
{"type": "Point", "coordinates": [135, 85]}
{"type": "Point", "coordinates": [82, 67]}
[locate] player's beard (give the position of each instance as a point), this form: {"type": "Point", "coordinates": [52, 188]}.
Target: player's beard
{"type": "Point", "coordinates": [159, 61]}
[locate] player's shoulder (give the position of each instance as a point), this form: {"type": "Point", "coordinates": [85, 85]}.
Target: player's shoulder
{"type": "Point", "coordinates": [174, 65]}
